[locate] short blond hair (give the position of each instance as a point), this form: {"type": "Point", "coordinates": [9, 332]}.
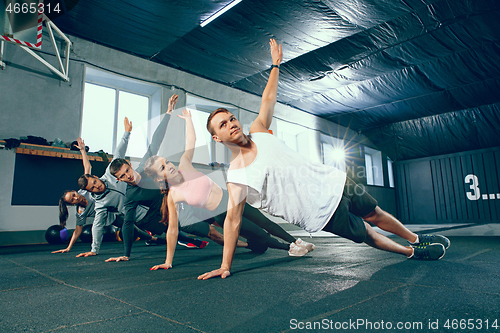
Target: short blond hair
{"type": "Point", "coordinates": [212, 115]}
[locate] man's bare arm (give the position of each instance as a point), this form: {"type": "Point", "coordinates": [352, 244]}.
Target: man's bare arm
{"type": "Point", "coordinates": [269, 96]}
{"type": "Point", "coordinates": [74, 237]}
{"type": "Point", "coordinates": [187, 157]}
{"type": "Point", "coordinates": [232, 223]}
{"type": "Point", "coordinates": [121, 149]}
{"type": "Point", "coordinates": [87, 167]}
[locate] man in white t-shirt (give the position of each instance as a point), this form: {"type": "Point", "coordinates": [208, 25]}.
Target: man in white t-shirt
{"type": "Point", "coordinates": [270, 176]}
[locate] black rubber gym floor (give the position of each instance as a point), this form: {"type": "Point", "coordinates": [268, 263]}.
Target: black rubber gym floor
{"type": "Point", "coordinates": [341, 286]}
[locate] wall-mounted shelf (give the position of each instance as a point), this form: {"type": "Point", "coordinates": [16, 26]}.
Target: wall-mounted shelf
{"type": "Point", "coordinates": [60, 152]}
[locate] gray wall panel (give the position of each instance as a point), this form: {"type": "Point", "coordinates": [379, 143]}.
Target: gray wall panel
{"type": "Point", "coordinates": [422, 208]}
{"type": "Point", "coordinates": [436, 190]}
{"type": "Point", "coordinates": [385, 196]}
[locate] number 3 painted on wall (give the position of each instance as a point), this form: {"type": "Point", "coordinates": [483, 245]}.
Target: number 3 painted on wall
{"type": "Point", "coordinates": [475, 194]}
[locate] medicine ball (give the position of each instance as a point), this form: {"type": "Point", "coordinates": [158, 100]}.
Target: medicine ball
{"type": "Point", "coordinates": [109, 233]}
{"type": "Point", "coordinates": [56, 234]}
{"type": "Point", "coordinates": [86, 235]}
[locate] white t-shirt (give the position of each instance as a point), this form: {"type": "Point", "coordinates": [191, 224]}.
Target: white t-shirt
{"type": "Point", "coordinates": [285, 184]}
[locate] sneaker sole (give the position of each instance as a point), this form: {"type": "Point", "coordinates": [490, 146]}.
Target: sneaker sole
{"type": "Point", "coordinates": [444, 250]}
{"type": "Point", "coordinates": [291, 254]}
{"type": "Point", "coordinates": [426, 259]}
{"type": "Point", "coordinates": [305, 247]}
{"type": "Point", "coordinates": [297, 255]}
{"type": "Point", "coordinates": [447, 244]}
{"type": "Point", "coordinates": [189, 247]}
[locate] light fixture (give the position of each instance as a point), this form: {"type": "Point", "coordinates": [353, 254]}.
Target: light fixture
{"type": "Point", "coordinates": [338, 154]}
{"type": "Point", "coordinates": [220, 12]}
{"type": "Point", "coordinates": [334, 153]}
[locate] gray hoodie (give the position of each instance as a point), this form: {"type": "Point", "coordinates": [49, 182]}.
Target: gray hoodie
{"type": "Point", "coordinates": [112, 199]}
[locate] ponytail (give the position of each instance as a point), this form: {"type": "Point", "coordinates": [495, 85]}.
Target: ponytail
{"type": "Point", "coordinates": [63, 210]}
{"type": "Point", "coordinates": [164, 205]}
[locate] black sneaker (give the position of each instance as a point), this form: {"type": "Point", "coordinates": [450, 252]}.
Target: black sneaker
{"type": "Point", "coordinates": [428, 252]}
{"type": "Point", "coordinates": [161, 241]}
{"type": "Point", "coordinates": [432, 239]}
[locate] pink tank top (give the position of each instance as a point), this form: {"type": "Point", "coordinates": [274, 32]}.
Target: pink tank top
{"type": "Point", "coordinates": [195, 189]}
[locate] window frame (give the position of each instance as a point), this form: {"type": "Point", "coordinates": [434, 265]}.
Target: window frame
{"type": "Point", "coordinates": [205, 105]}
{"type": "Point", "coordinates": [377, 169]}
{"type": "Point", "coordinates": [120, 83]}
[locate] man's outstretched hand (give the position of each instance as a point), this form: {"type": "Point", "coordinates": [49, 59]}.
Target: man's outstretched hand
{"type": "Point", "coordinates": [61, 251]}
{"type": "Point", "coordinates": [222, 272]}
{"type": "Point", "coordinates": [127, 124]}
{"type": "Point", "coordinates": [122, 258]}
{"type": "Point", "coordinates": [162, 266]}
{"type": "Point", "coordinates": [80, 144]}
{"type": "Point", "coordinates": [185, 114]}
{"type": "Point", "coordinates": [276, 52]}
{"type": "Point", "coordinates": [171, 103]}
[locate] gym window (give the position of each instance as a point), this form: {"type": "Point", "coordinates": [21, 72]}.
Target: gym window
{"type": "Point", "coordinates": [108, 99]}
{"type": "Point", "coordinates": [390, 172]}
{"type": "Point", "coordinates": [333, 152]}
{"type": "Point", "coordinates": [374, 168]}
{"type": "Point", "coordinates": [288, 133]}
{"type": "Point", "coordinates": [207, 150]}
{"type": "Point", "coordinates": [299, 138]}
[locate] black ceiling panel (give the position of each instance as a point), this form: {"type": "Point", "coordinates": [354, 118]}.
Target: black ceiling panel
{"type": "Point", "coordinates": [413, 68]}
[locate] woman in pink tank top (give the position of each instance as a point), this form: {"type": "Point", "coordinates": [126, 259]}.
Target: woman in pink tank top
{"type": "Point", "coordinates": [186, 184]}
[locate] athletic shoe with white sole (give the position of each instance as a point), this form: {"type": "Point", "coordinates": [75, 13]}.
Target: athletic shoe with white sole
{"type": "Point", "coordinates": [203, 244]}
{"type": "Point", "coordinates": [297, 251]}
{"type": "Point", "coordinates": [199, 244]}
{"type": "Point", "coordinates": [309, 246]}
{"type": "Point", "coordinates": [188, 245]}
{"type": "Point", "coordinates": [431, 239]}
{"type": "Point", "coordinates": [428, 252]}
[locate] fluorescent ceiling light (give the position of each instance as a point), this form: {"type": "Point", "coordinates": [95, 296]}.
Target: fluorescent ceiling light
{"type": "Point", "coordinates": [220, 12]}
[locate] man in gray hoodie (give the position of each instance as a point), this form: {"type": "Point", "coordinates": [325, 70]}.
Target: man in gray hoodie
{"type": "Point", "coordinates": [107, 193]}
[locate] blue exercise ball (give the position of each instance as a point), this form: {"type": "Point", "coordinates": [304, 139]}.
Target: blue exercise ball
{"type": "Point", "coordinates": [56, 234]}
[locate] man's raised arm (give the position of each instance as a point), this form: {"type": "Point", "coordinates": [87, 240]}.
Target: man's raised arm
{"type": "Point", "coordinates": [101, 215]}
{"type": "Point", "coordinates": [188, 155]}
{"type": "Point", "coordinates": [269, 96]}
{"type": "Point", "coordinates": [87, 167]}
{"type": "Point", "coordinates": [121, 149]}
{"type": "Point", "coordinates": [159, 133]}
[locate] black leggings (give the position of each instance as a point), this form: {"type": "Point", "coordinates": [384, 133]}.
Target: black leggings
{"type": "Point", "coordinates": [151, 223]}
{"type": "Point", "coordinates": [258, 239]}
{"type": "Point", "coordinates": [256, 216]}
{"type": "Point", "coordinates": [138, 232]}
